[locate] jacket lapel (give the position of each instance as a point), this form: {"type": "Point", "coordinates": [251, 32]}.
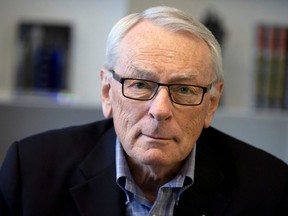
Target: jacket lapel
{"type": "Point", "coordinates": [205, 196]}
{"type": "Point", "coordinates": [97, 193]}
{"type": "Point", "coordinates": [209, 181]}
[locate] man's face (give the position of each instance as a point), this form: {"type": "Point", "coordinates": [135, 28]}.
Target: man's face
{"type": "Point", "coordinates": [159, 132]}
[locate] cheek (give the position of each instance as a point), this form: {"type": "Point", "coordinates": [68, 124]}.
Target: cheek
{"type": "Point", "coordinates": [193, 125]}
{"type": "Point", "coordinates": [125, 116]}
{"type": "Point", "coordinates": [119, 109]}
{"type": "Point", "coordinates": [121, 117]}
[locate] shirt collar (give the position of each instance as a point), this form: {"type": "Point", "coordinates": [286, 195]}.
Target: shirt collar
{"type": "Point", "coordinates": [122, 169]}
{"type": "Point", "coordinates": [185, 176]}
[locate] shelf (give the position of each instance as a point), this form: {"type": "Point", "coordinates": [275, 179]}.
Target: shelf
{"type": "Point", "coordinates": [264, 129]}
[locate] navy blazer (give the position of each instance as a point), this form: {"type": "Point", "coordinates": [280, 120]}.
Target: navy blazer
{"type": "Point", "coordinates": [71, 172]}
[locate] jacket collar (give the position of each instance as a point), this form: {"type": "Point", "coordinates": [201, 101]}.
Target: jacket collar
{"type": "Point", "coordinates": [209, 179]}
{"type": "Point", "coordinates": [205, 196]}
{"type": "Point", "coordinates": [97, 193]}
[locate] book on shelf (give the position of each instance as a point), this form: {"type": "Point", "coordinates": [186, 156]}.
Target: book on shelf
{"type": "Point", "coordinates": [271, 67]}
{"type": "Point", "coordinates": [43, 57]}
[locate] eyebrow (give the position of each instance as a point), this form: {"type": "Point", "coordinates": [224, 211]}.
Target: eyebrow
{"type": "Point", "coordinates": [184, 76]}
{"type": "Point", "coordinates": [147, 74]}
{"type": "Point", "coordinates": [141, 73]}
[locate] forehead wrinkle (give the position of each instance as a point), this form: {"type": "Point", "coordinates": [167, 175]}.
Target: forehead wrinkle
{"type": "Point", "coordinates": [151, 60]}
{"type": "Point", "coordinates": [138, 65]}
{"type": "Point", "coordinates": [163, 54]}
{"type": "Point", "coordinates": [184, 75]}
{"type": "Point", "coordinates": [142, 73]}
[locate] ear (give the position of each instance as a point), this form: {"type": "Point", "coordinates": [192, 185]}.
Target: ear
{"type": "Point", "coordinates": [105, 94]}
{"type": "Point", "coordinates": [214, 102]}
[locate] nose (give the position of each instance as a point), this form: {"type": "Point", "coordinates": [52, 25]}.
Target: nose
{"type": "Point", "coordinates": [161, 105]}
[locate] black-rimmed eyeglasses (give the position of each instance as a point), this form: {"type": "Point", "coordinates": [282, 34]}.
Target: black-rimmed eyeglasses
{"type": "Point", "coordinates": [144, 90]}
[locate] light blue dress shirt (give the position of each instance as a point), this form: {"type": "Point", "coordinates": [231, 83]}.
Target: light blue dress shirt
{"type": "Point", "coordinates": [168, 195]}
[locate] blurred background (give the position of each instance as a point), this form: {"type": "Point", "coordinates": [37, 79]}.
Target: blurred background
{"type": "Point", "coordinates": [51, 52]}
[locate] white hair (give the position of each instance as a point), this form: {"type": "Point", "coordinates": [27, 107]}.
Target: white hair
{"type": "Point", "coordinates": [172, 19]}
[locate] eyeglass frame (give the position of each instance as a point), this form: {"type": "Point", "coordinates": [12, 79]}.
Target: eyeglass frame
{"type": "Point", "coordinates": [122, 80]}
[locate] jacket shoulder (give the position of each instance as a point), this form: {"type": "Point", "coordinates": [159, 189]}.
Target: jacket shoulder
{"type": "Point", "coordinates": [72, 134]}
{"type": "Point", "coordinates": [66, 145]}
{"type": "Point", "coordinates": [253, 180]}
{"type": "Point", "coordinates": [220, 141]}
{"type": "Point", "coordinates": [234, 154]}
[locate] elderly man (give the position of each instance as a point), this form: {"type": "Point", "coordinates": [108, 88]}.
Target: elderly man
{"type": "Point", "coordinates": [156, 153]}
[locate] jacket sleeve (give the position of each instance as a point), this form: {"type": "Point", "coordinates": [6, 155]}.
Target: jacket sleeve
{"type": "Point", "coordinates": [10, 190]}
{"type": "Point", "coordinates": [283, 210]}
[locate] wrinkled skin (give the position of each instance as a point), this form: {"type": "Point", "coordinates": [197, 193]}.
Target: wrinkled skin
{"type": "Point", "coordinates": [158, 135]}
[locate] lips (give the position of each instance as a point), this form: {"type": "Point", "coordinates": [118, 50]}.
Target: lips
{"type": "Point", "coordinates": [156, 132]}
{"type": "Point", "coordinates": [157, 137]}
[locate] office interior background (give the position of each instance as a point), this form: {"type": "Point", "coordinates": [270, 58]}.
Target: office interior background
{"type": "Point", "coordinates": [26, 108]}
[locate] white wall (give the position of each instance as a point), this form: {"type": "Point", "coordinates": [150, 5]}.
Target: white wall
{"type": "Point", "coordinates": [267, 131]}
{"type": "Point", "coordinates": [91, 19]}
{"type": "Point", "coordinates": [240, 18]}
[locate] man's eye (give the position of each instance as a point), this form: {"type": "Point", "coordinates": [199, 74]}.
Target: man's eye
{"type": "Point", "coordinates": [140, 85]}
{"type": "Point", "coordinates": [184, 90]}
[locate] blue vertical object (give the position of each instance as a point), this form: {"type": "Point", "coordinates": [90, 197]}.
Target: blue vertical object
{"type": "Point", "coordinates": [56, 73]}
{"type": "Point", "coordinates": [48, 69]}
{"type": "Point", "coordinates": [43, 60]}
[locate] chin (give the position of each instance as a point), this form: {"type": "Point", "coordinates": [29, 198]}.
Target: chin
{"type": "Point", "coordinates": [155, 158]}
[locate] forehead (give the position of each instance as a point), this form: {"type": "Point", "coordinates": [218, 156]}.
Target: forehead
{"type": "Point", "coordinates": [154, 48]}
